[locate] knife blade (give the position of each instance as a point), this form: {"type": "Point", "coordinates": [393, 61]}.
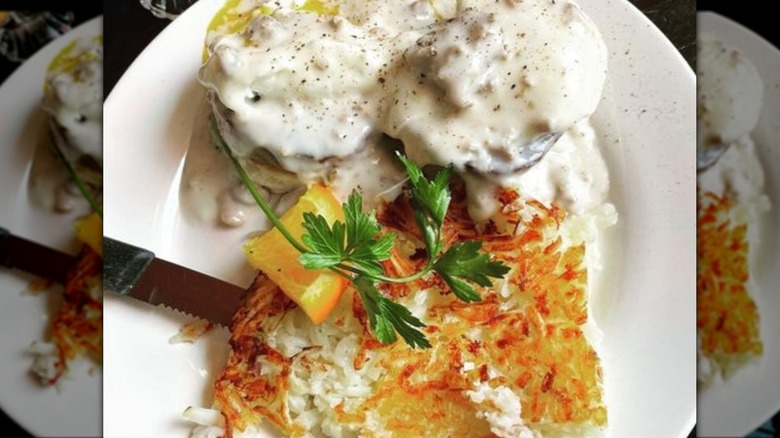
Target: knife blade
{"type": "Point", "coordinates": [138, 273]}
{"type": "Point", "coordinates": [31, 257]}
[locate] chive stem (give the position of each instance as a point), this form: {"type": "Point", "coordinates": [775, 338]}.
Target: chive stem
{"type": "Point", "coordinates": [74, 176]}
{"type": "Point", "coordinates": [250, 185]}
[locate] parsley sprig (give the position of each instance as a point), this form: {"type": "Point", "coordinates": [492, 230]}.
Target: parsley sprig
{"type": "Point", "coordinates": [356, 247]}
{"type": "Point", "coordinates": [356, 241]}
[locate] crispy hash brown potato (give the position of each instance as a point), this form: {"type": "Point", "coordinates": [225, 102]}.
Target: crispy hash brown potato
{"type": "Point", "coordinates": [516, 364]}
{"type": "Point", "coordinates": [727, 316]}
{"type": "Point", "coordinates": [78, 328]}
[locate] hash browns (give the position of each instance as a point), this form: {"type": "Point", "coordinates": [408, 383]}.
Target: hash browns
{"type": "Point", "coordinates": [522, 343]}
{"type": "Point", "coordinates": [78, 327]}
{"type": "Point", "coordinates": [727, 316]}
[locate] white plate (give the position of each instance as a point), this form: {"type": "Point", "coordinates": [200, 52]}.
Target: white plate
{"type": "Point", "coordinates": [753, 395]}
{"type": "Point", "coordinates": [649, 346]}
{"type": "Point", "coordinates": [76, 409]}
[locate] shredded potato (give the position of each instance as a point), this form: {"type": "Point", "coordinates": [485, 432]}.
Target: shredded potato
{"type": "Point", "coordinates": [523, 342]}
{"type": "Point", "coordinates": [78, 326]}
{"type": "Point", "coordinates": [727, 316]}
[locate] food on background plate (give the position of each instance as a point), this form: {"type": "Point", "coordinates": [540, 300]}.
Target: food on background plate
{"type": "Point", "coordinates": [730, 203]}
{"type": "Point", "coordinates": [347, 101]}
{"type": "Point", "coordinates": [73, 102]}
{"type": "Point", "coordinates": [77, 329]}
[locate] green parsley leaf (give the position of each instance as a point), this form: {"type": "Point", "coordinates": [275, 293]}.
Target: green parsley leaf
{"type": "Point", "coordinates": [430, 233]}
{"type": "Point", "coordinates": [363, 248]}
{"type": "Point", "coordinates": [360, 226]}
{"type": "Point", "coordinates": [432, 196]}
{"type": "Point", "coordinates": [464, 261]}
{"type": "Point", "coordinates": [463, 290]}
{"type": "Point", "coordinates": [387, 317]}
{"type": "Point", "coordinates": [368, 257]}
{"type": "Point", "coordinates": [325, 241]}
{"type": "Point", "coordinates": [352, 241]}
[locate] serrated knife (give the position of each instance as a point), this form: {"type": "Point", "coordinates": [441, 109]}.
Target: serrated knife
{"type": "Point", "coordinates": [132, 272]}
{"type": "Point", "coordinates": [137, 273]}
{"type": "Point", "coordinates": [31, 257]}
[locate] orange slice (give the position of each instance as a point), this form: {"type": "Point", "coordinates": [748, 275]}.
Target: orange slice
{"type": "Point", "coordinates": [89, 230]}
{"type": "Point", "coordinates": [316, 291]}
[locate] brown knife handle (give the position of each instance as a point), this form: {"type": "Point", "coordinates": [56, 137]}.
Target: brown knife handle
{"type": "Point", "coordinates": [4, 235]}
{"type": "Point", "coordinates": [123, 265]}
